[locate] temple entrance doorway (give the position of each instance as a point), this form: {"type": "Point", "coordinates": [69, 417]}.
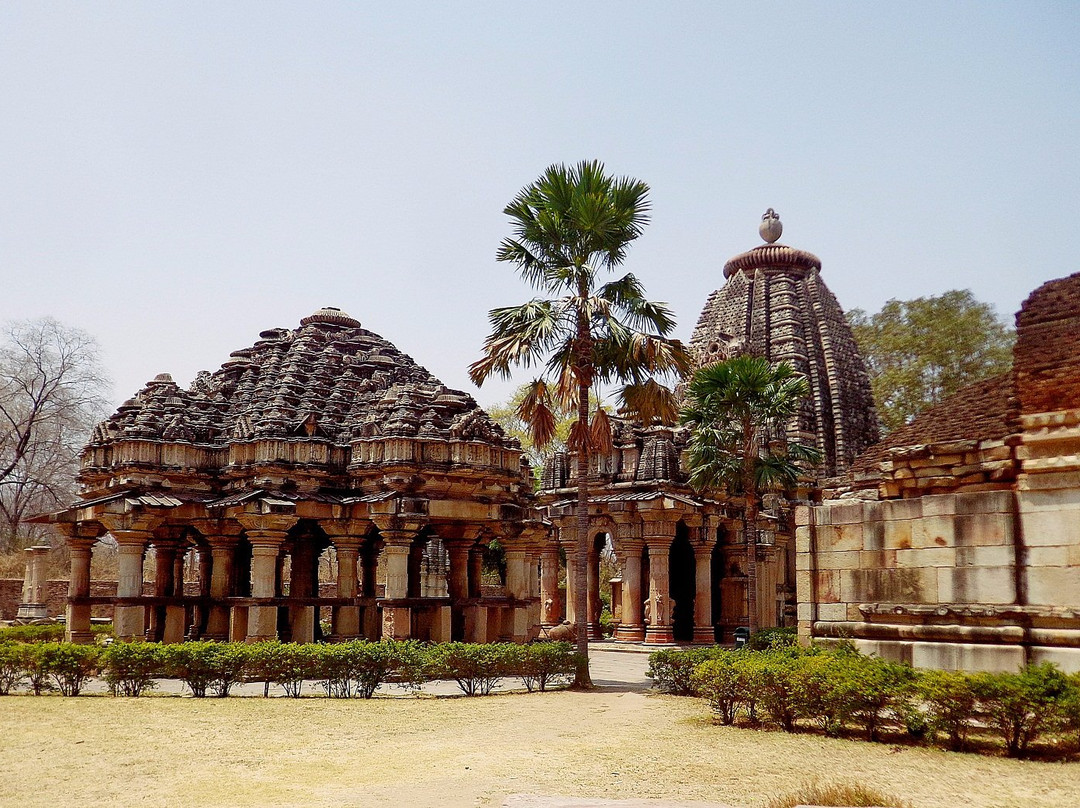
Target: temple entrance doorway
{"type": "Point", "coordinates": [683, 585]}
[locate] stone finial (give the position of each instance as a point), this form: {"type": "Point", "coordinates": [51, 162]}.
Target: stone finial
{"type": "Point", "coordinates": [771, 228]}
{"type": "Point", "coordinates": [330, 315]}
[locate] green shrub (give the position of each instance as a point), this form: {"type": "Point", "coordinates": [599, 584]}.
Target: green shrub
{"type": "Point", "coordinates": [12, 666]}
{"type": "Point", "coordinates": [476, 668]}
{"type": "Point", "coordinates": [285, 664]}
{"type": "Point", "coordinates": [543, 664]}
{"type": "Point", "coordinates": [720, 681]}
{"type": "Point", "coordinates": [950, 699]}
{"type": "Point", "coordinates": [1019, 705]}
{"type": "Point", "coordinates": [1067, 720]}
{"type": "Point", "coordinates": [35, 667]}
{"type": "Point", "coordinates": [333, 666]}
{"type": "Point", "coordinates": [131, 667]}
{"type": "Point", "coordinates": [673, 670]}
{"type": "Point", "coordinates": [777, 637]}
{"type": "Point", "coordinates": [194, 663]}
{"type": "Point", "coordinates": [52, 632]}
{"type": "Point", "coordinates": [70, 665]}
{"type": "Point", "coordinates": [782, 686]}
{"type": "Point", "coordinates": [230, 667]}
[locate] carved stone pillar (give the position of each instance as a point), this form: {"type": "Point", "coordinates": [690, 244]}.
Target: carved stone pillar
{"type": "Point", "coordinates": [266, 546]}
{"type": "Point", "coordinates": [517, 580]}
{"type": "Point", "coordinates": [476, 570]}
{"type": "Point", "coordinates": [346, 619]}
{"type": "Point", "coordinates": [129, 622]}
{"type": "Point", "coordinates": [223, 555]}
{"type": "Point", "coordinates": [703, 625]}
{"type": "Point", "coordinates": [659, 603]}
{"type": "Point", "coordinates": [458, 581]}
{"type": "Point", "coordinates": [167, 622]}
{"type": "Point", "coordinates": [397, 618]}
{"type": "Point", "coordinates": [571, 614]}
{"type": "Point", "coordinates": [132, 531]}
{"type": "Point", "coordinates": [549, 586]}
{"type": "Point", "coordinates": [33, 606]}
{"type": "Point", "coordinates": [631, 628]}
{"type": "Point", "coordinates": [78, 616]}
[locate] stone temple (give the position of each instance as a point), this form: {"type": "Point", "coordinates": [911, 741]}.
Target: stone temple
{"type": "Point", "coordinates": [681, 552]}
{"type": "Point", "coordinates": [952, 543]}
{"type": "Point", "coordinates": [321, 436]}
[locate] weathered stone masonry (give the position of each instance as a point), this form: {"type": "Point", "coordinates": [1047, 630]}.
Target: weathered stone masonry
{"type": "Point", "coordinates": [323, 436]}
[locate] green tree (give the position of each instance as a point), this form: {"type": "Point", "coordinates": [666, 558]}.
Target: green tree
{"type": "Point", "coordinates": [920, 351]}
{"type": "Point", "coordinates": [569, 226]}
{"type": "Point", "coordinates": [738, 411]}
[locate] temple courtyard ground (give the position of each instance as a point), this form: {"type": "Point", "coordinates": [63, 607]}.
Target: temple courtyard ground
{"type": "Point", "coordinates": [619, 742]}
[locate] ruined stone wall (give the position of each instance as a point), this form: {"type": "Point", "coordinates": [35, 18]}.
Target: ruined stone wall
{"type": "Point", "coordinates": [966, 552]}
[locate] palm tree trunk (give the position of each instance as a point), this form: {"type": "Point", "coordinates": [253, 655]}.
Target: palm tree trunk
{"type": "Point", "coordinates": [582, 678]}
{"type": "Point", "coordinates": [750, 515]}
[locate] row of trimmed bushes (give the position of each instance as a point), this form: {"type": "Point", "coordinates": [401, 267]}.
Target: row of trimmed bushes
{"type": "Point", "coordinates": [344, 670]}
{"type": "Point", "coordinates": [49, 632]}
{"type": "Point", "coordinates": [838, 689]}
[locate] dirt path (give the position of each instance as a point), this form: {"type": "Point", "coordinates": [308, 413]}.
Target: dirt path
{"type": "Point", "coordinates": [616, 743]}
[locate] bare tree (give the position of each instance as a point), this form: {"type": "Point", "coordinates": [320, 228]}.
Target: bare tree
{"type": "Point", "coordinates": [51, 393]}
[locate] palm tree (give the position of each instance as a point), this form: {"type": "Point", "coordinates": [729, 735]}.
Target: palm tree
{"type": "Point", "coordinates": [569, 226]}
{"type": "Point", "coordinates": [738, 411]}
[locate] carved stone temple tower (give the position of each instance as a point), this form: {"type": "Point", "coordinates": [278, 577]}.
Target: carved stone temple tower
{"type": "Point", "coordinates": [775, 304]}
{"type": "Point", "coordinates": [681, 553]}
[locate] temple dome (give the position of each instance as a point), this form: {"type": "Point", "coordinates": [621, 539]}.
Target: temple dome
{"type": "Point", "coordinates": [328, 379]}
{"type": "Point", "coordinates": [774, 304]}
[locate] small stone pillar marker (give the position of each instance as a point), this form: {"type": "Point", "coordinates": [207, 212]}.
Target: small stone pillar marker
{"type": "Point", "coordinates": [33, 605]}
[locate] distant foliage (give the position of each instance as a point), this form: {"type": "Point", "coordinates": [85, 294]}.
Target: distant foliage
{"type": "Point", "coordinates": [920, 351]}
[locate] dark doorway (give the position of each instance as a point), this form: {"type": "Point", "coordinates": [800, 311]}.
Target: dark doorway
{"type": "Point", "coordinates": [716, 578]}
{"type": "Point", "coordinates": [683, 585]}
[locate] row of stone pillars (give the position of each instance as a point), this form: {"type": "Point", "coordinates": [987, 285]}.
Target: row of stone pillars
{"type": "Point", "coordinates": [457, 612]}
{"type": "Point", "coordinates": [647, 606]}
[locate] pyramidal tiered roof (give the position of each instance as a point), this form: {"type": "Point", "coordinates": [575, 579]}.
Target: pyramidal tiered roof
{"type": "Point", "coordinates": [775, 304]}
{"type": "Point", "coordinates": [330, 378]}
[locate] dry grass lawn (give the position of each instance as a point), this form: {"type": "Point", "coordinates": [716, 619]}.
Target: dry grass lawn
{"type": "Point", "coordinates": [459, 752]}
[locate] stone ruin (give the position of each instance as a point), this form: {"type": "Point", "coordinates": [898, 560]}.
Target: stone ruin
{"type": "Point", "coordinates": [955, 542]}
{"type": "Point", "coordinates": [324, 436]}
{"type": "Point", "coordinates": [681, 552]}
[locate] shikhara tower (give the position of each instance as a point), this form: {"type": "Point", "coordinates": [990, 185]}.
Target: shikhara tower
{"type": "Point", "coordinates": [775, 304]}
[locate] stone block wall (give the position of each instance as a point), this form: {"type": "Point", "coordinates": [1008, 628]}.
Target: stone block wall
{"type": "Point", "coordinates": [938, 581]}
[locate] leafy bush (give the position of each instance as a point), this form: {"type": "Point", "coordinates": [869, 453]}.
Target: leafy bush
{"type": "Point", "coordinates": [476, 668]}
{"type": "Point", "coordinates": [230, 667]}
{"type": "Point", "coordinates": [720, 681]}
{"type": "Point", "coordinates": [673, 669]}
{"type": "Point", "coordinates": [1020, 705]}
{"type": "Point", "coordinates": [70, 665]}
{"type": "Point", "coordinates": [131, 667]}
{"type": "Point", "coordinates": [544, 664]}
{"type": "Point", "coordinates": [35, 667]}
{"type": "Point", "coordinates": [12, 666]}
{"type": "Point", "coordinates": [194, 663]}
{"type": "Point", "coordinates": [777, 637]}
{"type": "Point", "coordinates": [782, 686]}
{"type": "Point", "coordinates": [285, 664]}
{"type": "Point", "coordinates": [52, 632]}
{"type": "Point", "coordinates": [950, 701]}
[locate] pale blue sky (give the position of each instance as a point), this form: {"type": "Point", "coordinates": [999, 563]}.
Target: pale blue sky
{"type": "Point", "coordinates": [176, 178]}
